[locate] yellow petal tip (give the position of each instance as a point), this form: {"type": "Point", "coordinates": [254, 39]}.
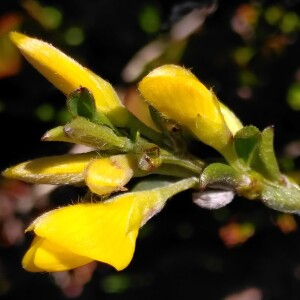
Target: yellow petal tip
{"type": "Point", "coordinates": [17, 38]}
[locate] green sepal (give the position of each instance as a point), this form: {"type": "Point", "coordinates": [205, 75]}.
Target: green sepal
{"type": "Point", "coordinates": [167, 186]}
{"type": "Point", "coordinates": [220, 175]}
{"type": "Point", "coordinates": [134, 135]}
{"type": "Point", "coordinates": [264, 160]}
{"type": "Point", "coordinates": [152, 182]}
{"type": "Point", "coordinates": [139, 129]}
{"type": "Point", "coordinates": [81, 103]}
{"type": "Point", "coordinates": [245, 142]}
{"type": "Point", "coordinates": [158, 120]}
{"type": "Point", "coordinates": [170, 130]}
{"type": "Point", "coordinates": [173, 170]}
{"type": "Point", "coordinates": [82, 131]}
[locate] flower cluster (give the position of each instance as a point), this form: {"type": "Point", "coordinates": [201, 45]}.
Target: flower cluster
{"type": "Point", "coordinates": [123, 148]}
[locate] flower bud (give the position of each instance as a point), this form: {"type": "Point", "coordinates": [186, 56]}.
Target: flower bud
{"type": "Point", "coordinates": [180, 96]}
{"type": "Point", "coordinates": [68, 75]}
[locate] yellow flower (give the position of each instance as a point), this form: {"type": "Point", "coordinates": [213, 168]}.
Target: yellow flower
{"type": "Point", "coordinates": [179, 95]}
{"type": "Point", "coordinates": [68, 75]}
{"type": "Point", "coordinates": [72, 236]}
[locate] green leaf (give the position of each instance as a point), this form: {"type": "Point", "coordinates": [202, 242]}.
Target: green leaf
{"type": "Point", "coordinates": [245, 142]}
{"type": "Point", "coordinates": [221, 176]}
{"type": "Point", "coordinates": [284, 196]}
{"type": "Point", "coordinates": [264, 160]}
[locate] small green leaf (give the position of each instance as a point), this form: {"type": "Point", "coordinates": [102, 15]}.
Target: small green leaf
{"type": "Point", "coordinates": [221, 176]}
{"type": "Point", "coordinates": [264, 160]}
{"type": "Point", "coordinates": [245, 142]}
{"type": "Point", "coordinates": [284, 196]}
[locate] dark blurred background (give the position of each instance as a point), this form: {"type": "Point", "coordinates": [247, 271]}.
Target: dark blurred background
{"type": "Point", "coordinates": [249, 52]}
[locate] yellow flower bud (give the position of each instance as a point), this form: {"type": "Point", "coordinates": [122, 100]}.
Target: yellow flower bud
{"type": "Point", "coordinates": [180, 96]}
{"type": "Point", "coordinates": [58, 169]}
{"type": "Point", "coordinates": [68, 75]}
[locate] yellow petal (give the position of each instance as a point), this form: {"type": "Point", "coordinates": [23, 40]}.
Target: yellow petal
{"type": "Point", "coordinates": [232, 121]}
{"type": "Point", "coordinates": [211, 133]}
{"type": "Point", "coordinates": [60, 169]}
{"type": "Point", "coordinates": [96, 231]}
{"type": "Point", "coordinates": [28, 259]}
{"type": "Point", "coordinates": [106, 175]}
{"type": "Point", "coordinates": [44, 256]}
{"type": "Point", "coordinates": [138, 107]}
{"type": "Point", "coordinates": [179, 95]}
{"type": "Point", "coordinates": [68, 75]}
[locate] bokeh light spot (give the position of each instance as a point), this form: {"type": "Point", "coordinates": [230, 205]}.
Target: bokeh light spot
{"type": "Point", "coordinates": [74, 36]}
{"type": "Point", "coordinates": [149, 19]}
{"type": "Point", "coordinates": [45, 112]}
{"type": "Point", "coordinates": [115, 284]}
{"type": "Point", "coordinates": [2, 106]}
{"type": "Point", "coordinates": [293, 96]}
{"type": "Point", "coordinates": [290, 22]}
{"type": "Point", "coordinates": [273, 14]}
{"type": "Point", "coordinates": [52, 17]}
{"type": "Point", "coordinates": [243, 55]}
{"type": "Point", "coordinates": [63, 116]}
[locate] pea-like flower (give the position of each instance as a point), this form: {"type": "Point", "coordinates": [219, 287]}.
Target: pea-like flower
{"type": "Point", "coordinates": [178, 95]}
{"type": "Point", "coordinates": [75, 235]}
